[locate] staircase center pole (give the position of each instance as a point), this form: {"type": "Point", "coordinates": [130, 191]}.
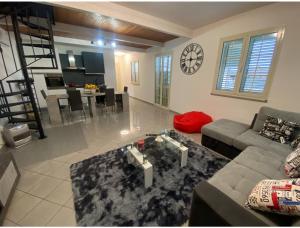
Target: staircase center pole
{"type": "Point", "coordinates": [23, 64]}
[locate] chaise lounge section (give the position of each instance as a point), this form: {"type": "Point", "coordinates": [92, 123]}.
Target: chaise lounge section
{"type": "Point", "coordinates": [221, 199]}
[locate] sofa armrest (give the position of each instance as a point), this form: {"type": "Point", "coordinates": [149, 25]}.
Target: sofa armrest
{"type": "Point", "coordinates": [211, 207]}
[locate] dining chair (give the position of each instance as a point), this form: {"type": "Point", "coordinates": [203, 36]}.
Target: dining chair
{"type": "Point", "coordinates": [75, 102]}
{"type": "Point", "coordinates": [100, 100]}
{"type": "Point", "coordinates": [61, 107]}
{"type": "Point", "coordinates": [125, 89]}
{"type": "Point", "coordinates": [110, 99]}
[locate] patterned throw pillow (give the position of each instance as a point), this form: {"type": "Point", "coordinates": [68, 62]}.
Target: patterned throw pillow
{"type": "Point", "coordinates": [295, 143]}
{"type": "Point", "coordinates": [292, 164]}
{"type": "Point", "coordinates": [278, 130]}
{"type": "Point", "coordinates": [279, 196]}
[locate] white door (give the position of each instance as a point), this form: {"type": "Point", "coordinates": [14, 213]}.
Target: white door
{"type": "Point", "coordinates": [162, 79]}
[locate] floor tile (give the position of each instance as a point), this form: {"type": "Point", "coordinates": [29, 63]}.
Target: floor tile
{"type": "Point", "coordinates": [8, 223]}
{"type": "Point", "coordinates": [61, 172]}
{"type": "Point", "coordinates": [70, 203]}
{"type": "Point", "coordinates": [40, 215]}
{"type": "Point", "coordinates": [64, 158]}
{"type": "Point", "coordinates": [28, 180]}
{"type": "Point", "coordinates": [76, 158]}
{"type": "Point", "coordinates": [64, 217]}
{"type": "Point", "coordinates": [61, 193]}
{"type": "Point", "coordinates": [21, 206]}
{"type": "Point", "coordinates": [45, 186]}
{"type": "Point", "coordinates": [47, 167]}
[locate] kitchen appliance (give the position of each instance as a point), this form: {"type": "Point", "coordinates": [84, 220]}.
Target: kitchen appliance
{"type": "Point", "coordinates": [54, 81]}
{"type": "Point", "coordinates": [16, 135]}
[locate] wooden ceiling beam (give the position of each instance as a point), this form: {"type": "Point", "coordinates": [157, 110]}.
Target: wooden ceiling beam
{"type": "Point", "coordinates": [126, 14]}
{"type": "Point", "coordinates": [100, 34]}
{"type": "Point", "coordinates": [80, 42]}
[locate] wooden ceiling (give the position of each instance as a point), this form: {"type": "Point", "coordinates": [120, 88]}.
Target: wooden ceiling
{"type": "Point", "coordinates": [95, 21]}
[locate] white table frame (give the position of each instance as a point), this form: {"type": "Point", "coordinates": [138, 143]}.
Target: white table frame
{"type": "Point", "coordinates": [183, 150]}
{"type": "Point", "coordinates": [133, 156]}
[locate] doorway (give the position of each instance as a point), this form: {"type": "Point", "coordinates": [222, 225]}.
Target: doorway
{"type": "Point", "coordinates": [162, 79]}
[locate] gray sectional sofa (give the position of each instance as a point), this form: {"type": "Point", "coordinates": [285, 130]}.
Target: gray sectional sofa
{"type": "Point", "coordinates": [221, 199]}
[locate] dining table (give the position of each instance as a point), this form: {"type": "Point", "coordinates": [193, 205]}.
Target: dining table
{"type": "Point", "coordinates": [55, 113]}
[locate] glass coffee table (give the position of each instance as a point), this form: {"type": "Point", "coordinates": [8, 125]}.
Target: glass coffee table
{"type": "Point", "coordinates": [140, 158]}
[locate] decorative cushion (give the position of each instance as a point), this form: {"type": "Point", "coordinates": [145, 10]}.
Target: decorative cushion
{"type": "Point", "coordinates": [191, 122]}
{"type": "Point", "coordinates": [278, 130]}
{"type": "Point", "coordinates": [295, 143]}
{"type": "Point", "coordinates": [292, 164]}
{"type": "Point", "coordinates": [279, 196]}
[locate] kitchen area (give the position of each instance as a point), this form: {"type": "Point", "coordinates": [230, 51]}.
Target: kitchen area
{"type": "Point", "coordinates": [89, 70]}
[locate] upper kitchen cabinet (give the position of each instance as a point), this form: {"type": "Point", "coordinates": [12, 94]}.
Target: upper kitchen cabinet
{"type": "Point", "coordinates": [64, 61]}
{"type": "Point", "coordinates": [93, 63]}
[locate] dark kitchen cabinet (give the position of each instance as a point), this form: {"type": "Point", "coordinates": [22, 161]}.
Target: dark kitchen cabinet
{"type": "Point", "coordinates": [78, 61]}
{"type": "Point", "coordinates": [93, 63]}
{"type": "Point", "coordinates": [64, 61]}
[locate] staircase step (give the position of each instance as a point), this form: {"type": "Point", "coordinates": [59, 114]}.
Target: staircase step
{"type": "Point", "coordinates": [40, 36]}
{"type": "Point", "coordinates": [19, 81]}
{"type": "Point", "coordinates": [33, 26]}
{"type": "Point", "coordinates": [14, 104]}
{"type": "Point", "coordinates": [41, 68]}
{"type": "Point", "coordinates": [8, 114]}
{"type": "Point", "coordinates": [13, 93]}
{"type": "Point", "coordinates": [48, 46]}
{"type": "Point", "coordinates": [20, 120]}
{"type": "Point", "coordinates": [40, 56]}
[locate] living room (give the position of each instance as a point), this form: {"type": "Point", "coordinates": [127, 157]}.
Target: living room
{"type": "Point", "coordinates": [205, 133]}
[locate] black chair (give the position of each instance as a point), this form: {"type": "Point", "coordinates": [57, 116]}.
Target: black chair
{"type": "Point", "coordinates": [100, 100]}
{"type": "Point", "coordinates": [125, 89]}
{"type": "Point", "coordinates": [75, 101]}
{"type": "Point", "coordinates": [110, 99]}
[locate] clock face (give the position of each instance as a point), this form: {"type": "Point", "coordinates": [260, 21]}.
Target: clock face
{"type": "Point", "coordinates": [191, 58]}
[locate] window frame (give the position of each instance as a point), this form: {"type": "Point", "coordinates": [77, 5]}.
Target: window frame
{"type": "Point", "coordinates": [236, 93]}
{"type": "Point", "coordinates": [137, 77]}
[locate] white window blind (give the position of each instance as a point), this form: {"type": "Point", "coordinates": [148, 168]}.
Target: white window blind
{"type": "Point", "coordinates": [258, 63]}
{"type": "Point", "coordinates": [229, 65]}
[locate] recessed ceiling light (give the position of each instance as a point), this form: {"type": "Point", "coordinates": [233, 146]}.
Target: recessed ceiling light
{"type": "Point", "coordinates": [124, 132]}
{"type": "Point", "coordinates": [100, 42]}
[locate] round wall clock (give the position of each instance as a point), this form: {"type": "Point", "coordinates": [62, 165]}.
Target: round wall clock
{"type": "Point", "coordinates": [191, 58]}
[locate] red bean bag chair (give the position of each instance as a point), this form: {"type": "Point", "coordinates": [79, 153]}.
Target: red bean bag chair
{"type": "Point", "coordinates": [191, 122]}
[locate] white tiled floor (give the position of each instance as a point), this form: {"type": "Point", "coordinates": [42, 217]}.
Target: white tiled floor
{"type": "Point", "coordinates": [44, 196]}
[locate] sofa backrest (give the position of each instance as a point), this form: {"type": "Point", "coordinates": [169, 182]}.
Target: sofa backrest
{"type": "Point", "coordinates": [285, 115]}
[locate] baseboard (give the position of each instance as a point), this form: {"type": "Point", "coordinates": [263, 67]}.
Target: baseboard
{"type": "Point", "coordinates": [141, 100]}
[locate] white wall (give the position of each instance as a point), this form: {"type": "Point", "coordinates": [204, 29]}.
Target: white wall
{"type": "Point", "coordinates": [193, 92]}
{"type": "Point", "coordinates": [145, 90]}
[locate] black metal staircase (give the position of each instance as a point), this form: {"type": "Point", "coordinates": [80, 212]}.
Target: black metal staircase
{"type": "Point", "coordinates": [32, 27]}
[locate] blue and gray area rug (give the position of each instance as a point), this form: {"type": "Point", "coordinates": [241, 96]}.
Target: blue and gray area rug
{"type": "Point", "coordinates": [110, 192]}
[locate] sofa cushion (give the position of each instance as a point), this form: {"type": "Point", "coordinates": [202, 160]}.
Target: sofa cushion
{"type": "Point", "coordinates": [295, 143]}
{"type": "Point", "coordinates": [278, 130]}
{"type": "Point", "coordinates": [268, 163]}
{"type": "Point", "coordinates": [252, 138]}
{"type": "Point", "coordinates": [277, 196]}
{"type": "Point", "coordinates": [267, 111]}
{"type": "Point", "coordinates": [292, 164]}
{"type": "Point", "coordinates": [224, 130]}
{"type": "Point", "coordinates": [236, 181]}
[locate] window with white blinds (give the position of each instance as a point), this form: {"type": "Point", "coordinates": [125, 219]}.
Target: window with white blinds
{"type": "Point", "coordinates": [230, 61]}
{"type": "Point", "coordinates": [258, 63]}
{"type": "Point", "coordinates": [246, 64]}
